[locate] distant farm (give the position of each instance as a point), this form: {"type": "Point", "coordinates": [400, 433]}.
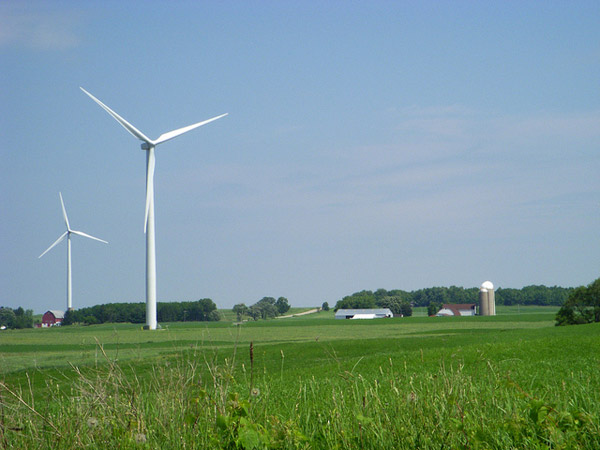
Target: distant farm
{"type": "Point", "coordinates": [510, 381]}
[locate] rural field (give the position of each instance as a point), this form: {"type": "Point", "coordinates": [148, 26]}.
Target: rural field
{"type": "Point", "coordinates": [509, 381]}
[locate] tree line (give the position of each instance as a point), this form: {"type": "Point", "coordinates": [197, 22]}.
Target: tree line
{"type": "Point", "coordinates": [434, 296]}
{"type": "Point", "coordinates": [582, 306]}
{"type": "Point", "coordinates": [16, 318]}
{"type": "Point", "coordinates": [199, 311]}
{"type": "Point", "coordinates": [265, 308]}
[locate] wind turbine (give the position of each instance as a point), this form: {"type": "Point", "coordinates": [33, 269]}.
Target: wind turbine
{"type": "Point", "coordinates": [149, 145]}
{"type": "Point", "coordinates": [68, 234]}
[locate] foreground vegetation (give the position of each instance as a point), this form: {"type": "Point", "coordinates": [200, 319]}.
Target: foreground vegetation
{"type": "Point", "coordinates": [510, 381]}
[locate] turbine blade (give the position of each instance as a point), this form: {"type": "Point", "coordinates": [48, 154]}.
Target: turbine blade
{"type": "Point", "coordinates": [64, 212]}
{"type": "Point", "coordinates": [81, 233]}
{"type": "Point", "coordinates": [133, 130]}
{"type": "Point", "coordinates": [173, 134]}
{"type": "Point", "coordinates": [58, 241]}
{"type": "Point", "coordinates": [149, 184]}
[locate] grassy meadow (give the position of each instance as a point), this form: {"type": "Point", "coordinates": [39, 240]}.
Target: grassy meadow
{"type": "Point", "coordinates": [509, 381]}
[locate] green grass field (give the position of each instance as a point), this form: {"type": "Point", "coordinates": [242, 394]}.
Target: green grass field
{"type": "Point", "coordinates": [509, 381]}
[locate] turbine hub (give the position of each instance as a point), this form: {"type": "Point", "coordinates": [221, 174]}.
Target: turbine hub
{"type": "Point", "coordinates": [145, 146]}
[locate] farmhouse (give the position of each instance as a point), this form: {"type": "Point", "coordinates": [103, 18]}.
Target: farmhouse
{"type": "Point", "coordinates": [52, 318]}
{"type": "Point", "coordinates": [363, 313]}
{"type": "Point", "coordinates": [460, 309]}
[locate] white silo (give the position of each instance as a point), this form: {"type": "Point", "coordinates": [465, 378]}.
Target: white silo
{"type": "Point", "coordinates": [491, 300]}
{"type": "Point", "coordinates": [484, 309]}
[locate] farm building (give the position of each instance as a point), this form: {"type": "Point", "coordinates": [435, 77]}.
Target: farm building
{"type": "Point", "coordinates": [464, 309]}
{"type": "Point", "coordinates": [52, 318]}
{"type": "Point", "coordinates": [363, 313]}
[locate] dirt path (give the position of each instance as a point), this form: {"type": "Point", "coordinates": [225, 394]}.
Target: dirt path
{"type": "Point", "coordinates": [310, 311]}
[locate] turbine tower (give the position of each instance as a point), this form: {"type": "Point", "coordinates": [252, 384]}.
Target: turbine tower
{"type": "Point", "coordinates": [148, 145]}
{"type": "Point", "coordinates": [68, 234]}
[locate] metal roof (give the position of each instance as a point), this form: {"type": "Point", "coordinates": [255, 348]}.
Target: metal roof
{"type": "Point", "coordinates": [58, 314]}
{"type": "Point", "coordinates": [349, 312]}
{"type": "Point", "coordinates": [457, 308]}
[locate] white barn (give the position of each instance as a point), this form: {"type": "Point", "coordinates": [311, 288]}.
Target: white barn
{"type": "Point", "coordinates": [462, 309]}
{"type": "Point", "coordinates": [363, 313]}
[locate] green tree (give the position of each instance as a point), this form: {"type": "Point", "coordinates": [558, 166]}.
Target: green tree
{"type": "Point", "coordinates": [213, 316]}
{"type": "Point", "coordinates": [582, 306]}
{"type": "Point", "coordinates": [90, 320]}
{"type": "Point", "coordinates": [282, 305]}
{"type": "Point", "coordinates": [406, 309]}
{"type": "Point", "coordinates": [23, 318]}
{"type": "Point", "coordinates": [393, 303]}
{"type": "Point", "coordinates": [265, 308]}
{"type": "Point", "coordinates": [325, 306]}
{"type": "Point", "coordinates": [380, 294]}
{"type": "Point", "coordinates": [433, 308]}
{"type": "Point", "coordinates": [70, 317]}
{"type": "Point", "coordinates": [254, 312]}
{"type": "Point", "coordinates": [7, 318]}
{"type": "Point", "coordinates": [240, 310]}
{"type": "Point", "coordinates": [358, 300]}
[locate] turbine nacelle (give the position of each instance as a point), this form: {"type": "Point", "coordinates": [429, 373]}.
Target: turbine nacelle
{"type": "Point", "coordinates": [148, 145]}
{"type": "Point", "coordinates": [67, 234]}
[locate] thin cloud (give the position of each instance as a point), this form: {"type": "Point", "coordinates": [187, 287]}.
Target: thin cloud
{"type": "Point", "coordinates": [38, 30]}
{"type": "Point", "coordinates": [489, 179]}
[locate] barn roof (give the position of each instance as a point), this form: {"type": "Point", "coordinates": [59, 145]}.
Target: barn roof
{"type": "Point", "coordinates": [58, 314]}
{"type": "Point", "coordinates": [457, 307]}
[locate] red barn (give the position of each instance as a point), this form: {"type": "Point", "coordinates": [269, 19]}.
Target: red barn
{"type": "Point", "coordinates": [52, 318]}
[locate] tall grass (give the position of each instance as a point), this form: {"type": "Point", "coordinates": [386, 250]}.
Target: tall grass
{"type": "Point", "coordinates": [521, 390]}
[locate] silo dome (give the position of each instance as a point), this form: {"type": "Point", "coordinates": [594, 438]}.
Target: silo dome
{"type": "Point", "coordinates": [487, 285]}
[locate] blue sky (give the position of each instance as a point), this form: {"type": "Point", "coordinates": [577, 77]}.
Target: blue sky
{"type": "Point", "coordinates": [395, 145]}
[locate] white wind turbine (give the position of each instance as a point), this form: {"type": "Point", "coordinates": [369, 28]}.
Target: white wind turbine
{"type": "Point", "coordinates": [148, 145]}
{"type": "Point", "coordinates": [68, 234]}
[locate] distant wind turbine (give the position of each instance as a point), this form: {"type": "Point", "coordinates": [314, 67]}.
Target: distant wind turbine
{"type": "Point", "coordinates": [68, 234]}
{"type": "Point", "coordinates": [148, 145]}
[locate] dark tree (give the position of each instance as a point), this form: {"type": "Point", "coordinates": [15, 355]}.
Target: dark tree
{"type": "Point", "coordinates": [23, 318]}
{"type": "Point", "coordinates": [201, 310]}
{"type": "Point", "coordinates": [582, 306]}
{"type": "Point", "coordinates": [358, 300]}
{"type": "Point", "coordinates": [433, 308]}
{"type": "Point", "coordinates": [7, 318]}
{"type": "Point", "coordinates": [282, 305]}
{"type": "Point", "coordinates": [254, 312]}
{"type": "Point", "coordinates": [70, 317]}
{"type": "Point", "coordinates": [406, 309]}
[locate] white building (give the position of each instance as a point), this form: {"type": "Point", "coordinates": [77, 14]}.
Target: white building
{"type": "Point", "coordinates": [363, 313]}
{"type": "Point", "coordinates": [460, 309]}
